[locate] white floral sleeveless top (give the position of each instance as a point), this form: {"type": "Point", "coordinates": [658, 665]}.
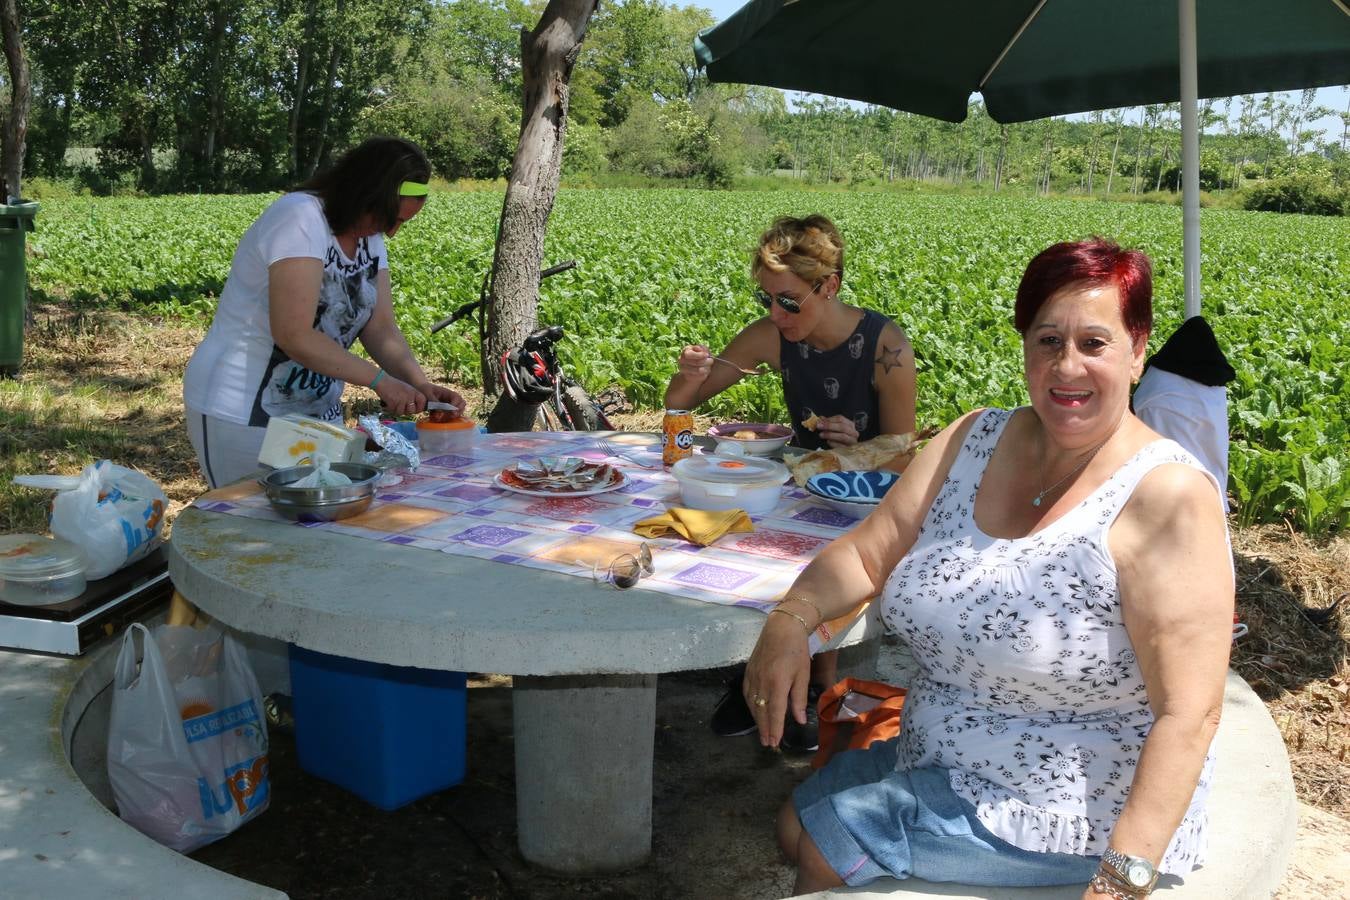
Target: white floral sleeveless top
{"type": "Point", "coordinates": [1028, 689]}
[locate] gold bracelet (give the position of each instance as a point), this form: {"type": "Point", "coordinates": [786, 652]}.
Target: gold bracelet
{"type": "Point", "coordinates": [810, 603]}
{"type": "Point", "coordinates": [1106, 881]}
{"type": "Point", "coordinates": [788, 612]}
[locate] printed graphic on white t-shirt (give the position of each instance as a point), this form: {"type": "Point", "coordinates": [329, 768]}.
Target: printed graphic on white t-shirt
{"type": "Point", "coordinates": [346, 301]}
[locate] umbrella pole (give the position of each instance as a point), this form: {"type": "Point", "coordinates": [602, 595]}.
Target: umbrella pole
{"type": "Point", "coordinates": [1190, 159]}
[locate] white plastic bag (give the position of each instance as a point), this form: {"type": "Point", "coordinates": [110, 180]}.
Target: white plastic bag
{"type": "Point", "coordinates": [322, 476]}
{"type": "Point", "coordinates": [113, 513]}
{"type": "Point", "coordinates": [187, 740]}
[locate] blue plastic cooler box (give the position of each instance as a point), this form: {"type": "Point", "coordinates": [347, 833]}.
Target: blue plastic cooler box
{"type": "Point", "coordinates": [388, 734]}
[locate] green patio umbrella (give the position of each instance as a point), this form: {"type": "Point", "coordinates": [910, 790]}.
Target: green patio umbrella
{"type": "Point", "coordinates": [1035, 58]}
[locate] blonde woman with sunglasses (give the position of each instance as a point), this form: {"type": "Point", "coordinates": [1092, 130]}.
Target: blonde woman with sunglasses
{"type": "Point", "coordinates": [848, 376]}
{"type": "Point", "coordinates": [847, 371]}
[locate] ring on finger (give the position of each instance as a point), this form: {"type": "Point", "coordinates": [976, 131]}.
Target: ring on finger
{"type": "Point", "coordinates": [760, 701]}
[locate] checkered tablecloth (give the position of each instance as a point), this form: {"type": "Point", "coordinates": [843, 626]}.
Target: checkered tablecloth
{"type": "Point", "coordinates": [451, 504]}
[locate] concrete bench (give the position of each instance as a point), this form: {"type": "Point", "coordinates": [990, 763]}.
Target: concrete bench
{"type": "Point", "coordinates": [58, 836]}
{"type": "Point", "coordinates": [1253, 818]}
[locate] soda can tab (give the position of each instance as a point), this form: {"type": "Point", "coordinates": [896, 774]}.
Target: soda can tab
{"type": "Point", "coordinates": [677, 436]}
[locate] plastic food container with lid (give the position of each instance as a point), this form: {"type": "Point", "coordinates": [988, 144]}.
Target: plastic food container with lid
{"type": "Point", "coordinates": [715, 482]}
{"type": "Point", "coordinates": [37, 570]}
{"type": "Point", "coordinates": [446, 437]}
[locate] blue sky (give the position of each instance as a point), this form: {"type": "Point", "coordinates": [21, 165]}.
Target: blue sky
{"type": "Point", "coordinates": [1332, 97]}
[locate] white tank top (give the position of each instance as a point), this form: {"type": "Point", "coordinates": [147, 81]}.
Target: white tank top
{"type": "Point", "coordinates": [1028, 689]}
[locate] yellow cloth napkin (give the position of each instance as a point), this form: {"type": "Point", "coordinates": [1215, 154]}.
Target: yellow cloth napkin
{"type": "Point", "coordinates": [695, 525]}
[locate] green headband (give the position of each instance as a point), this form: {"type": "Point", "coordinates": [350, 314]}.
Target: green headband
{"type": "Point", "coordinates": [412, 189]}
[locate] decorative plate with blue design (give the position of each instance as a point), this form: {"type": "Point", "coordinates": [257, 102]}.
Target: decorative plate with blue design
{"type": "Point", "coordinates": [852, 492]}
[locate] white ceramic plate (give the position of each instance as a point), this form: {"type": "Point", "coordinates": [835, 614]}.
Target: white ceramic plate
{"type": "Point", "coordinates": [612, 485]}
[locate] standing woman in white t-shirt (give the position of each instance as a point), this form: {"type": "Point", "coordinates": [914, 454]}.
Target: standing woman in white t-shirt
{"type": "Point", "coordinates": [309, 277]}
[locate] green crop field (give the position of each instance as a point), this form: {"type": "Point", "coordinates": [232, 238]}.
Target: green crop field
{"type": "Point", "coordinates": [662, 268]}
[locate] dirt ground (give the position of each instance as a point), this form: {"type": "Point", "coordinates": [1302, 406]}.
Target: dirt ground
{"type": "Point", "coordinates": [714, 800]}
{"type": "Point", "coordinates": [712, 824]}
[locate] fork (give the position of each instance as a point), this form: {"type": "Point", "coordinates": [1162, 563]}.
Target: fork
{"type": "Point", "coordinates": [609, 449]}
{"type": "Point", "coordinates": [762, 370]}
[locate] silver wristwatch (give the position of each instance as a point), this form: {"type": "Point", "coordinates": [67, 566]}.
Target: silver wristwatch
{"type": "Point", "coordinates": [1135, 871]}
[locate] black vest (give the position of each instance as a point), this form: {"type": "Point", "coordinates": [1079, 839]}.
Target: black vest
{"type": "Point", "coordinates": [833, 382]}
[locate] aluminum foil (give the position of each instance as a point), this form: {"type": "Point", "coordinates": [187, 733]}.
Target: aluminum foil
{"type": "Point", "coordinates": [396, 452]}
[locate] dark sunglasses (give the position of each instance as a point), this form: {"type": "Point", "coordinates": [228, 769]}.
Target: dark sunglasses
{"type": "Point", "coordinates": [789, 304]}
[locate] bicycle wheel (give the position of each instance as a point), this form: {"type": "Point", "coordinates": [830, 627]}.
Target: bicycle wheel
{"type": "Point", "coordinates": [583, 410]}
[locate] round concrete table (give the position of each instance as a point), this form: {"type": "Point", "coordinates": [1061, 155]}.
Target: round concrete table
{"type": "Point", "coordinates": [585, 657]}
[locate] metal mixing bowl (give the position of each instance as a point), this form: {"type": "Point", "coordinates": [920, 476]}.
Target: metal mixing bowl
{"type": "Point", "coordinates": [321, 504]}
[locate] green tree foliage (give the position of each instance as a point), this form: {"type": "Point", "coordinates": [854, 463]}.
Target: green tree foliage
{"type": "Point", "coordinates": [212, 94]}
{"type": "Point", "coordinates": [1298, 193]}
{"type": "Point", "coordinates": [224, 95]}
{"type": "Point", "coordinates": [461, 101]}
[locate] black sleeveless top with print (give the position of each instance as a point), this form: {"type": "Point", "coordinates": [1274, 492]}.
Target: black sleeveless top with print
{"type": "Point", "coordinates": [834, 382]}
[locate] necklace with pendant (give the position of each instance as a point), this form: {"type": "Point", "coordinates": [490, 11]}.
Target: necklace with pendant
{"type": "Point", "coordinates": [1087, 458]}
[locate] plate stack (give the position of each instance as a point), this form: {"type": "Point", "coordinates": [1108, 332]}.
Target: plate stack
{"type": "Point", "coordinates": [853, 493]}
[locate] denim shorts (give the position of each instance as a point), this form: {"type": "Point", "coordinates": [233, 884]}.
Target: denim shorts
{"type": "Point", "coordinates": [871, 821]}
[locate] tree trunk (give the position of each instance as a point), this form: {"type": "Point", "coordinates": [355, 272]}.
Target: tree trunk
{"type": "Point", "coordinates": [20, 95]}
{"type": "Point", "coordinates": [301, 86]}
{"type": "Point", "coordinates": [1096, 143]}
{"type": "Point", "coordinates": [547, 55]}
{"type": "Point", "coordinates": [326, 105]}
{"type": "Point", "coordinates": [1002, 154]}
{"type": "Point", "coordinates": [148, 174]}
{"type": "Point", "coordinates": [1049, 157]}
{"type": "Point", "coordinates": [216, 101]}
{"type": "Point", "coordinates": [1143, 134]}
{"type": "Point", "coordinates": [1111, 175]}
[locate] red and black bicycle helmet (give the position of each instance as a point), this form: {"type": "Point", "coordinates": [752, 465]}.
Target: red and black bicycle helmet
{"type": "Point", "coordinates": [527, 377]}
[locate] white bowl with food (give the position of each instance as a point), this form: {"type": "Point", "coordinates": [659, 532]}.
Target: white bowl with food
{"type": "Point", "coordinates": [757, 439]}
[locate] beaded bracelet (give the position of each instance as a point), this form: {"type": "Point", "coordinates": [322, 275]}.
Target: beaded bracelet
{"type": "Point", "coordinates": [376, 380]}
{"type": "Point", "coordinates": [788, 612]}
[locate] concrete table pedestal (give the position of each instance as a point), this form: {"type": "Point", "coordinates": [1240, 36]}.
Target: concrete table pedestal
{"type": "Point", "coordinates": [584, 659]}
{"type": "Point", "coordinates": [584, 770]}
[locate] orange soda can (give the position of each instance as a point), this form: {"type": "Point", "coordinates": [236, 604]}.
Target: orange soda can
{"type": "Point", "coordinates": [677, 436]}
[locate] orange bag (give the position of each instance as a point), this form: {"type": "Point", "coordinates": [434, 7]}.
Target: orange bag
{"type": "Point", "coordinates": [854, 713]}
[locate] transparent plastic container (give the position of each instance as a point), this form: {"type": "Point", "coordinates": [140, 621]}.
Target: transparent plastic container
{"type": "Point", "coordinates": [453, 436]}
{"type": "Point", "coordinates": [715, 482]}
{"type": "Point", "coordinates": [39, 571]}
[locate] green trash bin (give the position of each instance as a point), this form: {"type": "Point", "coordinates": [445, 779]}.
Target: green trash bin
{"type": "Point", "coordinates": [16, 220]}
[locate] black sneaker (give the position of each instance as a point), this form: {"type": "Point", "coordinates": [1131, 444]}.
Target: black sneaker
{"type": "Point", "coordinates": [799, 738]}
{"type": "Point", "coordinates": [731, 717]}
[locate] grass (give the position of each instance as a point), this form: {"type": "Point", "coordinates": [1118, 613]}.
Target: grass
{"type": "Point", "coordinates": [107, 384]}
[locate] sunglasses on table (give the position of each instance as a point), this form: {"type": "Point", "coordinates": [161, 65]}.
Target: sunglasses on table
{"type": "Point", "coordinates": [789, 304]}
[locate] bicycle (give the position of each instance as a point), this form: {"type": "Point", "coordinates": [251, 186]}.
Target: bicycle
{"type": "Point", "coordinates": [537, 389]}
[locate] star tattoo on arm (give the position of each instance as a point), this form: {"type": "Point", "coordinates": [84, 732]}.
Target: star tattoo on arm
{"type": "Point", "coordinates": [890, 359]}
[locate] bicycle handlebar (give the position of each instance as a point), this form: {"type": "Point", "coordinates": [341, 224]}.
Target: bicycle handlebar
{"type": "Point", "coordinates": [560, 267]}
{"type": "Point", "coordinates": [472, 305]}
{"type": "Point", "coordinates": [457, 315]}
